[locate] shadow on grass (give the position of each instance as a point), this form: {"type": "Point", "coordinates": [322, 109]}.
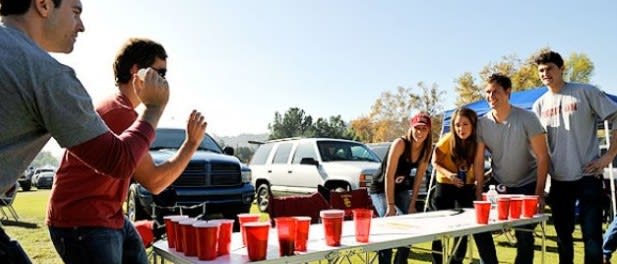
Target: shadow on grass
{"type": "Point", "coordinates": [20, 224]}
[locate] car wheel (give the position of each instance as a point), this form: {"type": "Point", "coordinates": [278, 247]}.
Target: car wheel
{"type": "Point", "coordinates": [263, 197]}
{"type": "Point", "coordinates": [26, 187]}
{"type": "Point", "coordinates": [133, 208]}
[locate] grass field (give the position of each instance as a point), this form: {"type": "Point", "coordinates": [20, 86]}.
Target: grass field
{"type": "Point", "coordinates": [31, 207]}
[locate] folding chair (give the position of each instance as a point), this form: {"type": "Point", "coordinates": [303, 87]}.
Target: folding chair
{"type": "Point", "coordinates": [6, 201]}
{"type": "Point", "coordinates": [350, 200]}
{"type": "Point", "coordinates": [297, 205]}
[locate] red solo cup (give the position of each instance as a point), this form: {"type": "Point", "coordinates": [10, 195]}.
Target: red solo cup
{"type": "Point", "coordinates": [225, 231]}
{"type": "Point", "coordinates": [246, 218]}
{"type": "Point", "coordinates": [515, 207]}
{"type": "Point", "coordinates": [207, 239]}
{"type": "Point", "coordinates": [302, 232]}
{"type": "Point", "coordinates": [362, 220]}
{"type": "Point", "coordinates": [178, 232]}
{"type": "Point", "coordinates": [189, 243]}
{"type": "Point", "coordinates": [503, 207]}
{"type": "Point", "coordinates": [256, 240]}
{"type": "Point", "coordinates": [483, 209]}
{"type": "Point", "coordinates": [332, 220]}
{"type": "Point", "coordinates": [169, 228]}
{"type": "Point", "coordinates": [286, 229]}
{"type": "Point", "coordinates": [530, 205]}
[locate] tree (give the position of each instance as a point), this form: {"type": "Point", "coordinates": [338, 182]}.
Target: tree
{"type": "Point", "coordinates": [45, 158]}
{"type": "Point", "coordinates": [524, 75]}
{"type": "Point", "coordinates": [295, 123]}
{"type": "Point", "coordinates": [245, 154]}
{"type": "Point", "coordinates": [389, 116]}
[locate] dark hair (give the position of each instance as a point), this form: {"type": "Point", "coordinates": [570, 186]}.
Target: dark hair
{"type": "Point", "coordinates": [19, 7]}
{"type": "Point", "coordinates": [549, 57]}
{"type": "Point", "coordinates": [502, 80]}
{"type": "Point", "coordinates": [464, 150]}
{"type": "Point", "coordinates": [138, 51]}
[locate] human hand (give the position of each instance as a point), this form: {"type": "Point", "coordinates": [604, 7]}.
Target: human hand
{"type": "Point", "coordinates": [456, 180]}
{"type": "Point", "coordinates": [195, 128]}
{"type": "Point", "coordinates": [541, 204]}
{"type": "Point", "coordinates": [411, 209]}
{"type": "Point", "coordinates": [390, 210]}
{"type": "Point", "coordinates": [152, 89]}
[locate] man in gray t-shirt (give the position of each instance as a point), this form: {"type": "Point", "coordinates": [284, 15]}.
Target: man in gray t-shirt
{"type": "Point", "coordinates": [517, 144]}
{"type": "Point", "coordinates": [570, 112]}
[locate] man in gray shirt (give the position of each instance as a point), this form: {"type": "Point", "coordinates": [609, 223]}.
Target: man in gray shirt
{"type": "Point", "coordinates": [570, 112]}
{"type": "Point", "coordinates": [42, 98]}
{"type": "Point", "coordinates": [517, 144]}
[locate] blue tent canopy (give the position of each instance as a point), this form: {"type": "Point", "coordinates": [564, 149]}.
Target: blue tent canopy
{"type": "Point", "coordinates": [522, 99]}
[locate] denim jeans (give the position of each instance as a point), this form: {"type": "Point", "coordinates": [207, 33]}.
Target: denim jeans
{"type": "Point", "coordinates": [95, 245]}
{"type": "Point", "coordinates": [610, 239]}
{"type": "Point", "coordinates": [448, 196]}
{"type": "Point", "coordinates": [563, 197]}
{"type": "Point", "coordinates": [401, 201]}
{"type": "Point", "coordinates": [525, 239]}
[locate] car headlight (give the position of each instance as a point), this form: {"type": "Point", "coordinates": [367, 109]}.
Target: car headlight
{"type": "Point", "coordinates": [246, 176]}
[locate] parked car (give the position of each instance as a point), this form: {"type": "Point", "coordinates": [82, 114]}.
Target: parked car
{"type": "Point", "coordinates": [220, 181]}
{"type": "Point", "coordinates": [43, 177]}
{"type": "Point", "coordinates": [25, 179]}
{"type": "Point", "coordinates": [299, 165]}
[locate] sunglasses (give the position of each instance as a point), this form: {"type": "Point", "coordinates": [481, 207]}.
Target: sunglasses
{"type": "Point", "coordinates": [161, 72]}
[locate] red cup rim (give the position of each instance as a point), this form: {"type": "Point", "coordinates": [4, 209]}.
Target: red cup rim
{"type": "Point", "coordinates": [204, 224]}
{"type": "Point", "coordinates": [302, 218]}
{"type": "Point", "coordinates": [247, 215]}
{"type": "Point", "coordinates": [256, 224]}
{"type": "Point", "coordinates": [504, 198]}
{"type": "Point", "coordinates": [481, 202]}
{"type": "Point", "coordinates": [222, 221]}
{"type": "Point", "coordinates": [332, 213]}
{"type": "Point", "coordinates": [187, 221]}
{"type": "Point", "coordinates": [179, 218]}
{"type": "Point", "coordinates": [175, 216]}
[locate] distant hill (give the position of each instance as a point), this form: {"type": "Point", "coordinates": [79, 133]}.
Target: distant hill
{"type": "Point", "coordinates": [241, 140]}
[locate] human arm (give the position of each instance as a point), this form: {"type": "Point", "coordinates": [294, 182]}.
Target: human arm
{"type": "Point", "coordinates": [539, 148]}
{"type": "Point", "coordinates": [420, 172]}
{"type": "Point", "coordinates": [396, 150]}
{"type": "Point", "coordinates": [438, 157]}
{"type": "Point", "coordinates": [157, 177]}
{"type": "Point", "coordinates": [478, 169]}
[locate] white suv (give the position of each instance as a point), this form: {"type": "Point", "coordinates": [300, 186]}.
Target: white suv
{"type": "Point", "coordinates": [298, 165]}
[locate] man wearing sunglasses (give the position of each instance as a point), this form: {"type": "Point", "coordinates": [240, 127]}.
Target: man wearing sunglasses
{"type": "Point", "coordinates": [85, 215]}
{"type": "Point", "coordinates": [42, 98]}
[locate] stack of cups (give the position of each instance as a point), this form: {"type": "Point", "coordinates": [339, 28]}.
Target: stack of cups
{"type": "Point", "coordinates": [483, 209]}
{"type": "Point", "coordinates": [516, 203]}
{"type": "Point", "coordinates": [189, 242]}
{"type": "Point", "coordinates": [169, 229]}
{"type": "Point", "coordinates": [206, 236]}
{"type": "Point", "coordinates": [256, 239]}
{"type": "Point", "coordinates": [332, 220]}
{"type": "Point", "coordinates": [530, 205]}
{"type": "Point", "coordinates": [175, 222]}
{"type": "Point", "coordinates": [503, 207]}
{"type": "Point", "coordinates": [225, 230]}
{"type": "Point", "coordinates": [302, 230]}
{"type": "Point", "coordinates": [286, 228]}
{"type": "Point", "coordinates": [362, 221]}
{"type": "Point", "coordinates": [243, 219]}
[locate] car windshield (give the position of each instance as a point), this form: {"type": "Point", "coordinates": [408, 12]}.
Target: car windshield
{"type": "Point", "coordinates": [173, 139]}
{"type": "Point", "coordinates": [345, 151]}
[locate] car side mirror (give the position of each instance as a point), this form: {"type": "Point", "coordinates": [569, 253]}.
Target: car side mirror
{"type": "Point", "coordinates": [309, 161]}
{"type": "Point", "coordinates": [228, 150]}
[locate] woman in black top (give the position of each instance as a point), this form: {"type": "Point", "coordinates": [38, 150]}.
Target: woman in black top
{"type": "Point", "coordinates": [390, 190]}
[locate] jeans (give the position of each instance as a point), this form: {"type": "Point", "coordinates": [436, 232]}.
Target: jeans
{"type": "Point", "coordinates": [448, 196]}
{"type": "Point", "coordinates": [95, 245]}
{"type": "Point", "coordinates": [610, 239]}
{"type": "Point", "coordinates": [525, 240]}
{"type": "Point", "coordinates": [401, 201]}
{"type": "Point", "coordinates": [563, 197]}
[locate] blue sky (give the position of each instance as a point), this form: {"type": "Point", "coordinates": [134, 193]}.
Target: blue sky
{"type": "Point", "coordinates": [240, 61]}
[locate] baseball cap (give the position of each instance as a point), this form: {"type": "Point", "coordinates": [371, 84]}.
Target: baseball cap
{"type": "Point", "coordinates": [420, 119]}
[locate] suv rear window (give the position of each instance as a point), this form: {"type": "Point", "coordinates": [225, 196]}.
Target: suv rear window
{"type": "Point", "coordinates": [261, 154]}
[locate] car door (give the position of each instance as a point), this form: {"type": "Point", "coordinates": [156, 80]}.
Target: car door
{"type": "Point", "coordinates": [305, 175]}
{"type": "Point", "coordinates": [279, 169]}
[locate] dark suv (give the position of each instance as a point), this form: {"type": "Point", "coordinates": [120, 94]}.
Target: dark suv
{"type": "Point", "coordinates": [219, 180]}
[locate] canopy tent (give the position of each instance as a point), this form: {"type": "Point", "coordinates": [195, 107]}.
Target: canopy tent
{"type": "Point", "coordinates": [525, 100]}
